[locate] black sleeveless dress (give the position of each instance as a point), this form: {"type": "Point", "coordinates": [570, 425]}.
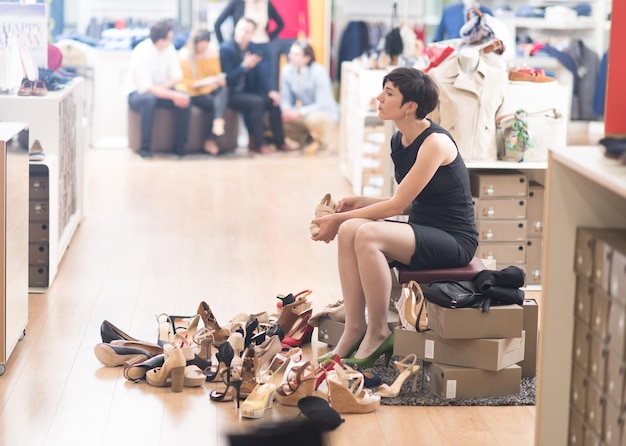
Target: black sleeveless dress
{"type": "Point", "coordinates": [442, 215]}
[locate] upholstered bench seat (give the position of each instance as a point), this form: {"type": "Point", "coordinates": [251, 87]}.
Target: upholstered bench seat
{"type": "Point", "coordinates": [425, 276]}
{"type": "Point", "coordinates": [163, 131]}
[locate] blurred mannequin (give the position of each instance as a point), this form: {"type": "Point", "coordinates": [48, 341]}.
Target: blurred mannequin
{"type": "Point", "coordinates": [468, 59]}
{"type": "Point", "coordinates": [453, 17]}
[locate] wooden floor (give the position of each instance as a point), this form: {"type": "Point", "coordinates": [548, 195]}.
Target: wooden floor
{"type": "Point", "coordinates": [162, 235]}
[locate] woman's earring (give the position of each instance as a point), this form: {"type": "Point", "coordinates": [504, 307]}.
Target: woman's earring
{"type": "Point", "coordinates": [406, 118]}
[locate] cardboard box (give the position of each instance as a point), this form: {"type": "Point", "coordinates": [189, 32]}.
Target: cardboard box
{"type": "Point", "coordinates": [578, 391]}
{"type": "Point", "coordinates": [489, 183]}
{"type": "Point", "coordinates": [504, 321]}
{"type": "Point", "coordinates": [616, 327]}
{"type": "Point", "coordinates": [615, 376]}
{"type": "Point", "coordinates": [38, 189]}
{"type": "Point", "coordinates": [617, 285]}
{"type": "Point", "coordinates": [597, 361]}
{"type": "Point", "coordinates": [485, 354]}
{"type": "Point", "coordinates": [576, 428]}
{"type": "Point", "coordinates": [595, 409]}
{"type": "Point", "coordinates": [501, 209]}
{"type": "Point", "coordinates": [38, 210]}
{"type": "Point", "coordinates": [329, 331]}
{"type": "Point", "coordinates": [531, 331]}
{"type": "Point", "coordinates": [584, 294]}
{"type": "Point", "coordinates": [38, 232]}
{"type": "Point", "coordinates": [452, 382]}
{"type": "Point", "coordinates": [38, 276]}
{"type": "Point", "coordinates": [583, 261]}
{"type": "Point", "coordinates": [534, 209]}
{"type": "Point", "coordinates": [600, 304]}
{"type": "Point", "coordinates": [534, 251]}
{"type": "Point", "coordinates": [594, 250]}
{"type": "Point", "coordinates": [501, 230]}
{"type": "Point", "coordinates": [511, 253]}
{"type": "Point", "coordinates": [38, 254]}
{"type": "Point", "coordinates": [613, 424]}
{"type": "Point", "coordinates": [582, 344]}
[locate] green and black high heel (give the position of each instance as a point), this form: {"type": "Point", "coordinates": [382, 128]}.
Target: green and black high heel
{"type": "Point", "coordinates": [386, 348]}
{"type": "Point", "coordinates": [331, 353]}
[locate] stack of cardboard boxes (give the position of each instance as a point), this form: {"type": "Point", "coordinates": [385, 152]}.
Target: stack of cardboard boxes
{"type": "Point", "coordinates": [39, 226]}
{"type": "Point", "coordinates": [509, 219]}
{"type": "Point", "coordinates": [597, 404]}
{"type": "Point", "coordinates": [471, 354]}
{"type": "Point", "coordinates": [466, 353]}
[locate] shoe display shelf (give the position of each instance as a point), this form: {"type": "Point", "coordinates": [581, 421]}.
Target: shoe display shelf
{"type": "Point", "coordinates": [13, 242]}
{"type": "Point", "coordinates": [583, 189]}
{"type": "Point", "coordinates": [57, 121]}
{"type": "Point", "coordinates": [364, 138]}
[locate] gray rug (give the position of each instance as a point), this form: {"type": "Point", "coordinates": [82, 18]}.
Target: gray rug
{"type": "Point", "coordinates": [424, 397]}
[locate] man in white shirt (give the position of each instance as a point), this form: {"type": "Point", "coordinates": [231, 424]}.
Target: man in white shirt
{"type": "Point", "coordinates": [154, 71]}
{"type": "Point", "coordinates": [309, 109]}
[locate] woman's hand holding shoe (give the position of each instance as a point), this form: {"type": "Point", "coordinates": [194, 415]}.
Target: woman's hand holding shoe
{"type": "Point", "coordinates": [328, 227]}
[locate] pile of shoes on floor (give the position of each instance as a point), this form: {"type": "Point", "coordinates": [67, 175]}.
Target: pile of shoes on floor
{"type": "Point", "coordinates": [257, 357]}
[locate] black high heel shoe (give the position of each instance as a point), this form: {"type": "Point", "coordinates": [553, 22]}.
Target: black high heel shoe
{"type": "Point", "coordinates": [225, 354]}
{"type": "Point", "coordinates": [285, 300]}
{"type": "Point", "coordinates": [234, 385]}
{"type": "Point", "coordinates": [109, 332]}
{"type": "Point", "coordinates": [276, 330]}
{"type": "Point", "coordinates": [251, 326]}
{"type": "Point", "coordinates": [135, 372]}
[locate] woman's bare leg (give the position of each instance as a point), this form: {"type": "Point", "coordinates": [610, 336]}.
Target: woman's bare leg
{"type": "Point", "coordinates": [352, 291]}
{"type": "Point", "coordinates": [375, 243]}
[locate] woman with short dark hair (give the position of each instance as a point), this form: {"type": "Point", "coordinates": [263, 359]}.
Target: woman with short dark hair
{"type": "Point", "coordinates": [433, 186]}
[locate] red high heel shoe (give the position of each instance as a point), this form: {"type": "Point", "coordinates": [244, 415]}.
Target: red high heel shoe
{"type": "Point", "coordinates": [301, 332]}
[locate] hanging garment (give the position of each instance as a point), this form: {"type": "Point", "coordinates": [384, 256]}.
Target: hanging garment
{"type": "Point", "coordinates": [468, 105]}
{"type": "Point", "coordinates": [599, 95]}
{"type": "Point", "coordinates": [354, 42]}
{"type": "Point", "coordinates": [587, 67]}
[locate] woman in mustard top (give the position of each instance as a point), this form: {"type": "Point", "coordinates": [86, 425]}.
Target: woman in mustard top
{"type": "Point", "coordinates": [205, 82]}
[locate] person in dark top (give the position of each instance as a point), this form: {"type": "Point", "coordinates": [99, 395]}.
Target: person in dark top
{"type": "Point", "coordinates": [433, 188]}
{"type": "Point", "coordinates": [261, 11]}
{"type": "Point", "coordinates": [249, 91]}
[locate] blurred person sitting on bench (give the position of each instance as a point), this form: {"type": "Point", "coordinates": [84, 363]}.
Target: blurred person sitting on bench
{"type": "Point", "coordinates": [309, 109]}
{"type": "Point", "coordinates": [204, 80]}
{"type": "Point", "coordinates": [154, 72]}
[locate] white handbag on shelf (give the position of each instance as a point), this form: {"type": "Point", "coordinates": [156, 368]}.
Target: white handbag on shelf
{"type": "Point", "coordinates": [527, 136]}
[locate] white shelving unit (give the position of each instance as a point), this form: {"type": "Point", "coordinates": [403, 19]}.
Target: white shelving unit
{"type": "Point", "coordinates": [56, 120]}
{"type": "Point", "coordinates": [592, 29]}
{"type": "Point", "coordinates": [364, 138]}
{"type": "Point", "coordinates": [584, 188]}
{"type": "Point", "coordinates": [13, 242]}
